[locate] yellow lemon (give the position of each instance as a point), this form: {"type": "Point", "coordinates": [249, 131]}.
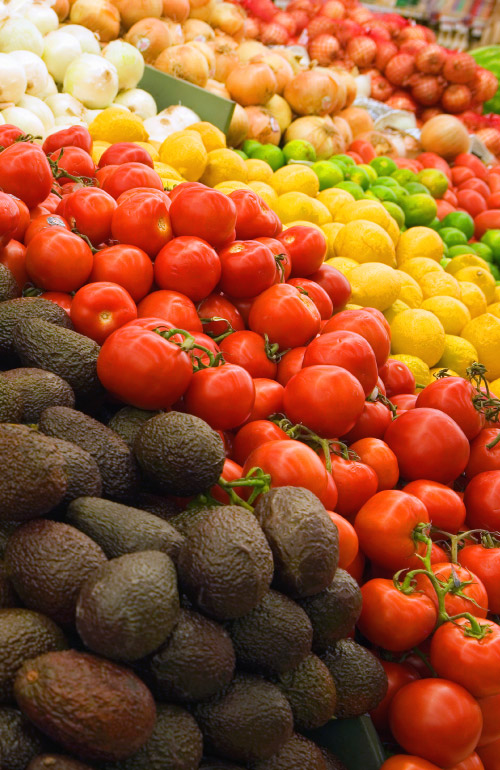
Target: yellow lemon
{"type": "Point", "coordinates": [419, 242]}
{"type": "Point", "coordinates": [374, 285]}
{"type": "Point", "coordinates": [228, 187]}
{"type": "Point", "coordinates": [265, 190]}
{"type": "Point", "coordinates": [452, 313]}
{"type": "Point", "coordinates": [481, 278]}
{"type": "Point", "coordinates": [365, 242]}
{"type": "Point", "coordinates": [497, 293]}
{"type": "Point", "coordinates": [351, 306]}
{"type": "Point", "coordinates": [420, 266]}
{"type": "Point", "coordinates": [494, 309]}
{"type": "Point", "coordinates": [258, 170]}
{"type": "Point", "coordinates": [394, 231]}
{"type": "Point", "coordinates": [320, 214]}
{"type": "Point", "coordinates": [410, 291]}
{"type": "Point", "coordinates": [149, 149]}
{"type": "Point", "coordinates": [295, 178]}
{"type": "Point", "coordinates": [495, 387]}
{"type": "Point", "coordinates": [334, 198]}
{"type": "Point", "coordinates": [224, 166]}
{"type": "Point", "coordinates": [302, 223]}
{"type": "Point", "coordinates": [371, 211]}
{"type": "Point", "coordinates": [397, 307]}
{"type": "Point", "coordinates": [211, 136]}
{"type": "Point", "coordinates": [292, 206]}
{"type": "Point", "coordinates": [465, 260]}
{"type": "Point", "coordinates": [330, 230]}
{"type": "Point", "coordinates": [343, 264]}
{"type": "Point", "coordinates": [98, 150]}
{"type": "Point", "coordinates": [473, 298]}
{"type": "Point", "coordinates": [458, 355]}
{"type": "Point", "coordinates": [439, 284]}
{"type": "Point", "coordinates": [418, 333]}
{"type": "Point", "coordinates": [484, 333]}
{"type": "Point", "coordinates": [168, 171]}
{"type": "Point", "coordinates": [417, 367]}
{"type": "Point", "coordinates": [439, 369]}
{"type": "Point", "coordinates": [184, 151]}
{"type": "Point", "coordinates": [115, 125]}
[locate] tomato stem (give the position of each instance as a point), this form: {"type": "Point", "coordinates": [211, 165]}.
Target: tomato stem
{"type": "Point", "coordinates": [273, 351]}
{"type": "Point", "coordinates": [189, 344]}
{"type": "Point", "coordinates": [259, 481]}
{"type": "Point", "coordinates": [484, 402]}
{"type": "Point", "coordinates": [58, 173]}
{"type": "Point", "coordinates": [220, 337]}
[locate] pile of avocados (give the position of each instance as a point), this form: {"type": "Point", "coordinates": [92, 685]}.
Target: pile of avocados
{"type": "Point", "coordinates": [142, 625]}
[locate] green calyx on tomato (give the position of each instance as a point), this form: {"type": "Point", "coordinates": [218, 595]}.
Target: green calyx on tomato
{"type": "Point", "coordinates": [189, 343]}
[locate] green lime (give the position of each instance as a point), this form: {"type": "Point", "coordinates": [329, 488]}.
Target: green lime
{"type": "Point", "coordinates": [482, 250]}
{"type": "Point", "coordinates": [241, 154]}
{"type": "Point", "coordinates": [495, 271]}
{"type": "Point", "coordinates": [419, 209]}
{"type": "Point", "coordinates": [384, 193]}
{"type": "Point", "coordinates": [434, 180]}
{"type": "Point", "coordinates": [328, 174]}
{"type": "Point", "coordinates": [445, 250]}
{"type": "Point", "coordinates": [388, 181]}
{"type": "Point", "coordinates": [492, 239]}
{"type": "Point", "coordinates": [271, 154]}
{"type": "Point", "coordinates": [249, 145]}
{"type": "Point", "coordinates": [383, 165]}
{"type": "Point", "coordinates": [346, 159]}
{"type": "Point", "coordinates": [368, 195]}
{"type": "Point", "coordinates": [372, 174]}
{"type": "Point", "coordinates": [404, 175]}
{"type": "Point", "coordinates": [358, 175]}
{"type": "Point", "coordinates": [452, 236]}
{"type": "Point", "coordinates": [461, 220]}
{"type": "Point", "coordinates": [395, 211]}
{"type": "Point", "coordinates": [299, 149]}
{"type": "Point", "coordinates": [401, 193]}
{"type": "Point", "coordinates": [435, 224]}
{"type": "Point", "coordinates": [415, 188]}
{"type": "Point", "coordinates": [353, 188]}
{"type": "Point", "coordinates": [455, 251]}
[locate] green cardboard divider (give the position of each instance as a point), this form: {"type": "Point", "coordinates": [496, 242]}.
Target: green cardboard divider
{"type": "Point", "coordinates": [354, 741]}
{"type": "Point", "coordinates": [167, 90]}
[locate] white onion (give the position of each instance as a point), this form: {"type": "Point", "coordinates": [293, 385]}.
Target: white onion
{"type": "Point", "coordinates": [12, 79]}
{"type": "Point", "coordinates": [64, 105]}
{"type": "Point", "coordinates": [49, 90]}
{"type": "Point", "coordinates": [92, 80]}
{"type": "Point", "coordinates": [44, 18]}
{"type": "Point", "coordinates": [27, 121]}
{"type": "Point", "coordinates": [62, 122]}
{"type": "Point", "coordinates": [2, 119]}
{"type": "Point", "coordinates": [91, 115]}
{"type": "Point", "coordinates": [86, 38]}
{"type": "Point", "coordinates": [38, 108]}
{"type": "Point", "coordinates": [363, 86]}
{"type": "Point", "coordinates": [18, 34]}
{"type": "Point", "coordinates": [59, 51]}
{"type": "Point", "coordinates": [128, 62]}
{"type": "Point", "coordinates": [35, 69]}
{"type": "Point", "coordinates": [172, 119]}
{"type": "Point", "coordinates": [139, 102]}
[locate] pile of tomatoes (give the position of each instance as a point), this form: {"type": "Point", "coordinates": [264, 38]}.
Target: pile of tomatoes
{"type": "Point", "coordinates": [201, 302]}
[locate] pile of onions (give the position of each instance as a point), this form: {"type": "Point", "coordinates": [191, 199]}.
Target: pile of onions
{"type": "Point", "coordinates": [17, 34]}
{"type": "Point", "coordinates": [282, 69]}
{"type": "Point", "coordinates": [383, 144]}
{"type": "Point", "coordinates": [343, 128]}
{"type": "Point", "coordinates": [491, 139]}
{"type": "Point", "coordinates": [185, 62]}
{"type": "Point", "coordinates": [228, 17]}
{"type": "Point", "coordinates": [226, 59]}
{"type": "Point", "coordinates": [280, 109]}
{"type": "Point", "coordinates": [238, 128]}
{"type": "Point", "coordinates": [252, 83]}
{"type": "Point", "coordinates": [13, 80]}
{"type": "Point", "coordinates": [250, 49]}
{"type": "Point", "coordinates": [349, 83]}
{"type": "Point", "coordinates": [320, 132]}
{"type": "Point", "coordinates": [150, 37]}
{"type": "Point", "coordinates": [128, 62]}
{"type": "Point", "coordinates": [312, 92]}
{"type": "Point", "coordinates": [139, 102]}
{"type": "Point", "coordinates": [194, 29]}
{"type": "Point", "coordinates": [177, 10]}
{"type": "Point", "coordinates": [445, 135]}
{"type": "Point", "coordinates": [262, 126]}
{"type": "Point", "coordinates": [132, 11]}
{"type": "Point", "coordinates": [359, 120]}
{"type": "Point", "coordinates": [100, 16]}
{"type": "Point", "coordinates": [175, 32]}
{"type": "Point", "coordinates": [36, 72]}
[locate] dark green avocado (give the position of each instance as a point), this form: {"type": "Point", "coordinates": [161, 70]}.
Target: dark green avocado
{"type": "Point", "coordinates": [298, 753]}
{"type": "Point", "coordinates": [20, 741]}
{"type": "Point", "coordinates": [11, 403]}
{"type": "Point", "coordinates": [13, 311]}
{"type": "Point", "coordinates": [335, 611]}
{"type": "Point", "coordinates": [39, 389]}
{"type": "Point", "coordinates": [128, 421]}
{"type": "Point", "coordinates": [8, 284]}
{"type": "Point", "coordinates": [360, 679]}
{"type": "Point", "coordinates": [82, 472]}
{"type": "Point", "coordinates": [310, 690]}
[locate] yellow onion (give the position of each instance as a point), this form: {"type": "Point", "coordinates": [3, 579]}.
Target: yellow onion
{"type": "Point", "coordinates": [185, 62]}
{"type": "Point", "coordinates": [202, 13]}
{"type": "Point", "coordinates": [219, 89]}
{"type": "Point", "coordinates": [177, 10]}
{"type": "Point", "coordinates": [226, 59]}
{"type": "Point", "coordinates": [312, 92]}
{"type": "Point", "coordinates": [238, 128]}
{"type": "Point", "coordinates": [341, 89]}
{"type": "Point", "coordinates": [344, 128]}
{"type": "Point", "coordinates": [61, 7]}
{"type": "Point", "coordinates": [490, 138]}
{"type": "Point", "coordinates": [262, 126]}
{"type": "Point", "coordinates": [280, 109]}
{"type": "Point", "coordinates": [383, 143]}
{"type": "Point", "coordinates": [292, 59]}
{"type": "Point", "coordinates": [252, 83]}
{"type": "Point", "coordinates": [194, 29]}
{"type": "Point", "coordinates": [150, 37]}
{"type": "Point", "coordinates": [100, 16]}
{"type": "Point", "coordinates": [132, 11]}
{"type": "Point", "coordinates": [208, 53]}
{"type": "Point", "coordinates": [359, 120]}
{"type": "Point", "coordinates": [228, 17]}
{"type": "Point", "coordinates": [281, 67]}
{"type": "Point", "coordinates": [324, 137]}
{"type": "Point", "coordinates": [174, 30]}
{"type": "Point", "coordinates": [350, 85]}
{"type": "Point", "coordinates": [445, 135]}
{"type": "Point", "coordinates": [249, 49]}
{"type": "Point", "coordinates": [197, 4]}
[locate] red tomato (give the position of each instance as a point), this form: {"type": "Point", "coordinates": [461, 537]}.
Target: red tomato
{"type": "Point", "coordinates": [283, 263]}
{"type": "Point", "coordinates": [470, 662]}
{"type": "Point", "coordinates": [431, 160]}
{"type": "Point", "coordinates": [490, 708]}
{"type": "Point", "coordinates": [230, 472]}
{"type": "Point", "coordinates": [268, 399]}
{"type": "Point", "coordinates": [98, 309]}
{"type": "Point", "coordinates": [330, 496]}
{"type": "Point", "coordinates": [348, 350]}
{"type": "Point", "coordinates": [443, 208]}
{"type": "Point", "coordinates": [398, 674]}
{"type": "Point", "coordinates": [254, 217]}
{"type": "Point", "coordinates": [129, 175]}
{"type": "Point", "coordinates": [450, 198]}
{"type": "Point", "coordinates": [493, 201]}
{"type": "Point", "coordinates": [188, 265]}
{"type": "Point", "coordinates": [485, 563]}
{"type": "Point", "coordinates": [125, 152]}
{"type": "Point", "coordinates": [9, 134]}
{"type": "Point", "coordinates": [461, 174]}
{"type": "Point", "coordinates": [154, 377]}
{"type": "Point", "coordinates": [334, 283]}
{"type": "Point", "coordinates": [223, 396]}
{"type": "Point", "coordinates": [482, 501]}
{"type": "Point", "coordinates": [10, 218]}
{"type": "Point", "coordinates": [453, 396]}
{"type": "Point", "coordinates": [288, 317]}
{"type": "Point", "coordinates": [251, 351]}
{"type": "Point", "coordinates": [481, 458]}
{"type": "Point", "coordinates": [24, 218]}
{"type": "Point", "coordinates": [289, 463]}
{"type": "Point", "coordinates": [328, 399]}
{"type": "Point", "coordinates": [290, 364]}
{"type": "Point", "coordinates": [437, 718]}
{"type": "Point", "coordinates": [171, 306]}
{"type": "Point", "coordinates": [472, 201]}
{"type": "Point", "coordinates": [446, 509]}
{"type": "Point", "coordinates": [355, 482]}
{"type": "Point", "coordinates": [42, 222]}
{"type": "Point", "coordinates": [385, 526]}
{"type": "Point", "coordinates": [487, 220]}
{"type": "Point", "coordinates": [104, 173]}
{"type": "Point", "coordinates": [348, 540]}
{"type": "Point", "coordinates": [477, 185]}
{"type": "Point", "coordinates": [405, 762]}
{"type": "Point", "coordinates": [125, 265]}
{"type": "Point", "coordinates": [316, 293]}
{"type": "Point", "coordinates": [490, 755]}
{"type": "Point", "coordinates": [60, 298]}
{"type": "Point", "coordinates": [90, 211]}
{"type": "Point", "coordinates": [472, 762]}
{"type": "Point", "coordinates": [248, 268]}
{"type": "Point", "coordinates": [471, 161]}
{"type": "Point", "coordinates": [364, 149]}
{"type": "Point", "coordinates": [143, 220]}
{"type": "Point", "coordinates": [203, 212]}
{"type": "Point", "coordinates": [75, 161]}
{"type": "Point", "coordinates": [52, 200]}
{"type": "Point", "coordinates": [367, 325]}
{"type": "Point", "coordinates": [394, 620]}
{"type": "Point", "coordinates": [13, 256]}
{"type": "Point", "coordinates": [474, 599]}
{"type": "Point", "coordinates": [357, 567]}
{"type": "Point", "coordinates": [307, 249]}
{"type": "Point", "coordinates": [25, 173]}
{"type": "Point", "coordinates": [254, 434]}
{"type": "Point", "coordinates": [205, 342]}
{"type": "Point", "coordinates": [404, 402]}
{"type": "Point", "coordinates": [372, 423]}
{"type": "Point", "coordinates": [57, 260]}
{"type": "Point", "coordinates": [73, 136]}
{"type": "Point", "coordinates": [218, 306]}
{"type": "Point", "coordinates": [429, 445]}
{"type": "Point", "coordinates": [381, 458]}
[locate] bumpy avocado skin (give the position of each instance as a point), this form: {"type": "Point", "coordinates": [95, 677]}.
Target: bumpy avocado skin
{"type": "Point", "coordinates": [11, 403]}
{"type": "Point", "coordinates": [335, 611]}
{"type": "Point", "coordinates": [8, 284]}
{"type": "Point", "coordinates": [20, 741]}
{"type": "Point", "coordinates": [39, 389]}
{"type": "Point", "coordinates": [298, 753]}
{"type": "Point", "coordinates": [15, 311]}
{"type": "Point", "coordinates": [82, 472]}
{"type": "Point", "coordinates": [360, 679]}
{"type": "Point", "coordinates": [310, 690]}
{"type": "Point", "coordinates": [128, 421]}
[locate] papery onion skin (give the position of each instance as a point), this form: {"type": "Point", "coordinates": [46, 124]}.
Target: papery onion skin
{"type": "Point", "coordinates": [185, 62]}
{"type": "Point", "coordinates": [312, 92]}
{"type": "Point", "coordinates": [252, 84]}
{"type": "Point", "coordinates": [262, 126]}
{"type": "Point", "coordinates": [100, 16]}
{"type": "Point", "coordinates": [324, 137]}
{"type": "Point", "coordinates": [445, 135]}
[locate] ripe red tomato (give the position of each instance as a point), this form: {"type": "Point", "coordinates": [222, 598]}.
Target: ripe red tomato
{"type": "Point", "coordinates": [98, 309]}
{"type": "Point", "coordinates": [355, 483]}
{"type": "Point", "coordinates": [460, 174]}
{"type": "Point", "coordinates": [437, 718]}
{"type": "Point", "coordinates": [398, 674]}
{"type": "Point", "coordinates": [404, 402]}
{"type": "Point", "coordinates": [328, 399]}
{"type": "Point", "coordinates": [248, 268]}
{"type": "Point", "coordinates": [482, 501]}
{"type": "Point", "coordinates": [289, 463]}
{"type": "Point", "coordinates": [230, 472]}
{"type": "Point", "coordinates": [125, 265]}
{"type": "Point", "coordinates": [316, 293]}
{"type": "Point", "coordinates": [155, 377]}
{"type": "Point", "coordinates": [367, 325]}
{"type": "Point", "coordinates": [90, 211]}
{"type": "Point", "coordinates": [254, 217]}
{"type": "Point", "coordinates": [472, 201]}
{"type": "Point", "coordinates": [290, 364]}
{"type": "Point", "coordinates": [307, 249]}
{"type": "Point", "coordinates": [470, 662]}
{"type": "Point", "coordinates": [143, 220]}
{"type": "Point", "coordinates": [60, 298]}
{"type": "Point", "coordinates": [405, 762]}
{"type": "Point", "coordinates": [288, 317]}
{"type": "Point", "coordinates": [13, 256]}
{"type": "Point", "coordinates": [218, 306]}
{"type": "Point", "coordinates": [381, 458]}
{"type": "Point", "coordinates": [348, 539]}
{"type": "Point", "coordinates": [24, 218]}
{"type": "Point", "coordinates": [170, 306]}
{"type": "Point", "coordinates": [372, 423]}
{"type": "Point", "coordinates": [490, 708]}
{"type": "Point", "coordinates": [9, 134]}
{"type": "Point", "coordinates": [58, 260]}
{"type": "Point", "coordinates": [25, 173]}
{"type": "Point", "coordinates": [394, 620]}
{"type": "Point", "coordinates": [397, 378]}
{"type": "Point", "coordinates": [385, 526]}
{"type": "Point", "coordinates": [223, 396]}
{"type": "Point", "coordinates": [476, 185]}
{"type": "Point", "coordinates": [204, 213]}
{"type": "Point", "coordinates": [42, 222]}
{"type": "Point", "coordinates": [453, 396]}
{"type": "Point", "coordinates": [188, 265]}
{"type": "Point", "coordinates": [493, 200]}
{"type": "Point", "coordinates": [125, 152]}
{"type": "Point", "coordinates": [429, 445]}
{"type": "Point", "coordinates": [73, 136]}
{"type": "Point", "coordinates": [473, 162]}
{"type": "Point", "coordinates": [348, 350]}
{"type": "Point", "coordinates": [268, 399]}
{"type": "Point", "coordinates": [334, 283]}
{"type": "Point", "coordinates": [10, 218]}
{"type": "Point", "coordinates": [129, 175]}
{"type": "Point", "coordinates": [251, 351]}
{"type": "Point", "coordinates": [254, 434]}
{"type": "Point", "coordinates": [477, 601]}
{"type": "Point", "coordinates": [283, 263]}
{"type": "Point", "coordinates": [432, 160]}
{"type": "Point", "coordinates": [472, 762]}
{"type": "Point", "coordinates": [486, 220]}
{"type": "Point", "coordinates": [446, 509]}
{"type": "Point", "coordinates": [75, 161]}
{"type": "Point", "coordinates": [490, 755]}
{"type": "Point", "coordinates": [485, 563]}
{"type": "Point", "coordinates": [483, 458]}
